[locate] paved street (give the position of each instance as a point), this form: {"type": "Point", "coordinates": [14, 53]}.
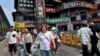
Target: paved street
{"type": "Point", "coordinates": [64, 51]}
{"type": "Point", "coordinates": [68, 51]}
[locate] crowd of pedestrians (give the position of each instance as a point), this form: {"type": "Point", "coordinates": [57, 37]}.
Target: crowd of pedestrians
{"type": "Point", "coordinates": [26, 43]}
{"type": "Point", "coordinates": [20, 43]}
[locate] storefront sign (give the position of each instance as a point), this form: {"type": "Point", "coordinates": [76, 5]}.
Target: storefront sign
{"type": "Point", "coordinates": [40, 4]}
{"type": "Point", "coordinates": [20, 24]}
{"type": "Point", "coordinates": [57, 20]}
{"type": "Point", "coordinates": [80, 21]}
{"type": "Point", "coordinates": [53, 10]}
{"type": "Point", "coordinates": [79, 4]}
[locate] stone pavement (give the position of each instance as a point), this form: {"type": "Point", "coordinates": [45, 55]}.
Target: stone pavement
{"type": "Point", "coordinates": [68, 51]}
{"type": "Point", "coordinates": [3, 49]}
{"type": "Point", "coordinates": [64, 51]}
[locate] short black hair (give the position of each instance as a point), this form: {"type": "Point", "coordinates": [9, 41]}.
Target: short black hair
{"type": "Point", "coordinates": [84, 25]}
{"type": "Point", "coordinates": [11, 26]}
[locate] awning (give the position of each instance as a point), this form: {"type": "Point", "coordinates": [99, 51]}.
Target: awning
{"type": "Point", "coordinates": [30, 26]}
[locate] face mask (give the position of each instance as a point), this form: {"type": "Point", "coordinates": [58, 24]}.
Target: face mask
{"type": "Point", "coordinates": [54, 30]}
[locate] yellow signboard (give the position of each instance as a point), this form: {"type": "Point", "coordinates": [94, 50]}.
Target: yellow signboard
{"type": "Point", "coordinates": [20, 24]}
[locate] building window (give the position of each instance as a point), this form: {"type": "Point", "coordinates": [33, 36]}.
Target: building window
{"type": "Point", "coordinates": [31, 1]}
{"type": "Point", "coordinates": [28, 5]}
{"type": "Point", "coordinates": [94, 15]}
{"type": "Point", "coordinates": [21, 5]}
{"type": "Point", "coordinates": [24, 5]}
{"type": "Point", "coordinates": [99, 14]}
{"type": "Point", "coordinates": [78, 17]}
{"type": "Point", "coordinates": [24, 1]}
{"type": "Point", "coordinates": [84, 17]}
{"type": "Point", "coordinates": [31, 5]}
{"type": "Point", "coordinates": [28, 1]}
{"type": "Point", "coordinates": [21, 0]}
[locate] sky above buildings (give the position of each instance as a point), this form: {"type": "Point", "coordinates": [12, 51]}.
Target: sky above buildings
{"type": "Point", "coordinates": [8, 7]}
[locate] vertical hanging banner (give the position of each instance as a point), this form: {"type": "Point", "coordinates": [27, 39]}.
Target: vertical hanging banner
{"type": "Point", "coordinates": [40, 5]}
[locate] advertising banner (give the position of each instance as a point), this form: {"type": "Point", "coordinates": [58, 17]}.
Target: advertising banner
{"type": "Point", "coordinates": [79, 4]}
{"type": "Point", "coordinates": [40, 7]}
{"type": "Point", "coordinates": [20, 24]}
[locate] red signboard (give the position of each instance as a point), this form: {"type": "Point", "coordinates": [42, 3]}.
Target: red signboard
{"type": "Point", "coordinates": [53, 10]}
{"type": "Point", "coordinates": [79, 4]}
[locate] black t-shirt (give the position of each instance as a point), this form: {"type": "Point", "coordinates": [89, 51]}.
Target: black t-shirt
{"type": "Point", "coordinates": [94, 29]}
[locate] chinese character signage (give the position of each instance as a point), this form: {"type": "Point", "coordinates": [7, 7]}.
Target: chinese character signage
{"type": "Point", "coordinates": [53, 9]}
{"type": "Point", "coordinates": [40, 4]}
{"type": "Point", "coordinates": [79, 4]}
{"type": "Point", "coordinates": [57, 20]}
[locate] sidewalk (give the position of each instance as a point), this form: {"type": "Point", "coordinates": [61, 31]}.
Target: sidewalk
{"type": "Point", "coordinates": [3, 49]}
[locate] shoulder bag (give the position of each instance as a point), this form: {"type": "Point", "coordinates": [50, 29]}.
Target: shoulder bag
{"type": "Point", "coordinates": [51, 43]}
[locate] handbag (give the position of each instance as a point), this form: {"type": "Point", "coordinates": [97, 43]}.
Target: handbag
{"type": "Point", "coordinates": [51, 43]}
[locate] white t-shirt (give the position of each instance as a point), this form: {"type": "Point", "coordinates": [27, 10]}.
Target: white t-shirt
{"type": "Point", "coordinates": [10, 37]}
{"type": "Point", "coordinates": [27, 38]}
{"type": "Point", "coordinates": [44, 43]}
{"type": "Point", "coordinates": [35, 31]}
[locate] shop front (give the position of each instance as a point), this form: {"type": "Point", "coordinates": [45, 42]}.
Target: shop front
{"type": "Point", "coordinates": [56, 21]}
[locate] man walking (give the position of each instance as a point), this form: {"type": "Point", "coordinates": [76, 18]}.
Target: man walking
{"type": "Point", "coordinates": [11, 38]}
{"type": "Point", "coordinates": [94, 39]}
{"type": "Point", "coordinates": [84, 33]}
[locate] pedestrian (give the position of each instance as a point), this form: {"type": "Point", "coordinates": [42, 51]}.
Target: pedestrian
{"type": "Point", "coordinates": [84, 34]}
{"type": "Point", "coordinates": [19, 37]}
{"type": "Point", "coordinates": [11, 38]}
{"type": "Point", "coordinates": [35, 31]}
{"type": "Point", "coordinates": [94, 39]}
{"type": "Point", "coordinates": [27, 39]}
{"type": "Point", "coordinates": [45, 37]}
{"type": "Point", "coordinates": [56, 39]}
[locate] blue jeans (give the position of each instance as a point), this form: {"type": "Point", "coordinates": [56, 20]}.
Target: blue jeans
{"type": "Point", "coordinates": [46, 53]}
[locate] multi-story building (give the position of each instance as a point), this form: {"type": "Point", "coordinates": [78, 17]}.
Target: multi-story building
{"type": "Point", "coordinates": [74, 12]}
{"type": "Point", "coordinates": [65, 14]}
{"type": "Point", "coordinates": [24, 15]}
{"type": "Point", "coordinates": [30, 12]}
{"type": "Point", "coordinates": [4, 23]}
{"type": "Point", "coordinates": [53, 9]}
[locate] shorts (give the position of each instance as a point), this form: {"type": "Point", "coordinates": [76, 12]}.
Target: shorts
{"type": "Point", "coordinates": [12, 47]}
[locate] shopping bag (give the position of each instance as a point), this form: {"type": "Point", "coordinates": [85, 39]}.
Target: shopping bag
{"type": "Point", "coordinates": [21, 51]}
{"type": "Point", "coordinates": [59, 40]}
{"type": "Point", "coordinates": [34, 49]}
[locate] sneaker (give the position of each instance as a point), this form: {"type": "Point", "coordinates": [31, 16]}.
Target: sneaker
{"type": "Point", "coordinates": [53, 52]}
{"type": "Point", "coordinates": [30, 55]}
{"type": "Point", "coordinates": [58, 49]}
{"type": "Point", "coordinates": [56, 52]}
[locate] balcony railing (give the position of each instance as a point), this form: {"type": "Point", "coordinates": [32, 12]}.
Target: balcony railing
{"type": "Point", "coordinates": [85, 16]}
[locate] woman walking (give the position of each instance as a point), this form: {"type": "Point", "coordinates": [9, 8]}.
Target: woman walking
{"type": "Point", "coordinates": [27, 38]}
{"type": "Point", "coordinates": [45, 37]}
